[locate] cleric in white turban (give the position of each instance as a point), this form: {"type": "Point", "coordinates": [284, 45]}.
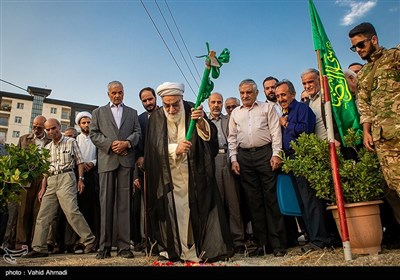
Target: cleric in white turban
{"type": "Point", "coordinates": [81, 115]}
{"type": "Point", "coordinates": [169, 89]}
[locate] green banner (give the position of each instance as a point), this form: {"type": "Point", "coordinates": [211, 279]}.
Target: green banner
{"type": "Point", "coordinates": [343, 105]}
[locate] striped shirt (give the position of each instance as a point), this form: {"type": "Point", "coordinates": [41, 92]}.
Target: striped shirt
{"type": "Point", "coordinates": [64, 154]}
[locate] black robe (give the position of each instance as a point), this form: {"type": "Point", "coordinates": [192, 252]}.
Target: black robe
{"type": "Point", "coordinates": [207, 217]}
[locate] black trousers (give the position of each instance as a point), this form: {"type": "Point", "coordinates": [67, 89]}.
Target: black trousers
{"type": "Point", "coordinates": [259, 185]}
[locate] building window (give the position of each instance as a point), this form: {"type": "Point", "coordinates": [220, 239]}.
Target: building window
{"type": "Point", "coordinates": [15, 134]}
{"type": "Point", "coordinates": [3, 120]}
{"type": "Point", "coordinates": [65, 114]}
{"type": "Point", "coordinates": [63, 126]}
{"type": "Point", "coordinates": [18, 119]}
{"type": "Point", "coordinates": [20, 105]}
{"type": "Point", "coordinates": [53, 110]}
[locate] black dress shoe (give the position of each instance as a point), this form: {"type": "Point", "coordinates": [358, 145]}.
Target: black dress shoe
{"type": "Point", "coordinates": [309, 247]}
{"type": "Point", "coordinates": [259, 251]}
{"type": "Point", "coordinates": [103, 254]}
{"type": "Point", "coordinates": [125, 254]}
{"type": "Point", "coordinates": [240, 250]}
{"type": "Point", "coordinates": [280, 253]}
{"type": "Point", "coordinates": [35, 254]}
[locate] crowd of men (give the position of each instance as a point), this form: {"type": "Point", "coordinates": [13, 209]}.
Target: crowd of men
{"type": "Point", "coordinates": [144, 183]}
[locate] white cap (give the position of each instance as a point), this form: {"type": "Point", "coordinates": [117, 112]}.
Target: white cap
{"type": "Point", "coordinates": [81, 115]}
{"type": "Point", "coordinates": [168, 88]}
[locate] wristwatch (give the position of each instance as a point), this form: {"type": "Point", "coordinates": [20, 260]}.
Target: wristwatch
{"type": "Point", "coordinates": [82, 178]}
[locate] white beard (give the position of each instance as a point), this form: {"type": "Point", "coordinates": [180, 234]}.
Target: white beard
{"type": "Point", "coordinates": [175, 118]}
{"type": "Point", "coordinates": [176, 125]}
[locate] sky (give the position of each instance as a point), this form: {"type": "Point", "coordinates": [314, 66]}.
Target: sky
{"type": "Point", "coordinates": [75, 48]}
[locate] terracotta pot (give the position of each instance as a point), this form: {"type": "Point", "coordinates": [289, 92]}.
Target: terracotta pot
{"type": "Point", "coordinates": [364, 226]}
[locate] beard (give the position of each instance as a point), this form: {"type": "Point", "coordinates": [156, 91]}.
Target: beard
{"type": "Point", "coordinates": [85, 130]}
{"type": "Point", "coordinates": [175, 118]}
{"type": "Point", "coordinates": [271, 97]}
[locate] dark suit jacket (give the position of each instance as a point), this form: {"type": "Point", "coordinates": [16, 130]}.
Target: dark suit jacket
{"type": "Point", "coordinates": [26, 139]}
{"type": "Point", "coordinates": [143, 120]}
{"type": "Point", "coordinates": [104, 130]}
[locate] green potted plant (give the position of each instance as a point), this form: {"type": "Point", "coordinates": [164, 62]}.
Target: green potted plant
{"type": "Point", "coordinates": [18, 168]}
{"type": "Point", "coordinates": [361, 181]}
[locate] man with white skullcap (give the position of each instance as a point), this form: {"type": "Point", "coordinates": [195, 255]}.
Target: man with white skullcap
{"type": "Point", "coordinates": [88, 201]}
{"type": "Point", "coordinates": [182, 196]}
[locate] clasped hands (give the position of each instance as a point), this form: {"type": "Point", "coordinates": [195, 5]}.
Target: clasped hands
{"type": "Point", "coordinates": [120, 147]}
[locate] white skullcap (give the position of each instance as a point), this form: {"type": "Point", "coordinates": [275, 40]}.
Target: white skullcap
{"type": "Point", "coordinates": [81, 115]}
{"type": "Point", "coordinates": [168, 88]}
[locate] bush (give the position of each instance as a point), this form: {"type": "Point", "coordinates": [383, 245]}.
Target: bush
{"type": "Point", "coordinates": [361, 179]}
{"type": "Point", "coordinates": [19, 168]}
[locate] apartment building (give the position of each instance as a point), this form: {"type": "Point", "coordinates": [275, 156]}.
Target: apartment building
{"type": "Point", "coordinates": [17, 112]}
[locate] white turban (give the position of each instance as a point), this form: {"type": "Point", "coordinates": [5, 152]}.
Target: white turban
{"type": "Point", "coordinates": [81, 115]}
{"type": "Point", "coordinates": [168, 88]}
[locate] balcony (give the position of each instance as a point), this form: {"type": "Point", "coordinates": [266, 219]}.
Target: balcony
{"type": "Point", "coordinates": [5, 107]}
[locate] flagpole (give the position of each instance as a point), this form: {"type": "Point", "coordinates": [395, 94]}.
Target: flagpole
{"type": "Point", "coordinates": [326, 102]}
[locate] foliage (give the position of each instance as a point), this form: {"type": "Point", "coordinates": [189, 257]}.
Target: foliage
{"type": "Point", "coordinates": [19, 168]}
{"type": "Point", "coordinates": [361, 179]}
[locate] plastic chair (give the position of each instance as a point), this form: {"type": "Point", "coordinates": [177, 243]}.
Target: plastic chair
{"type": "Point", "coordinates": [287, 198]}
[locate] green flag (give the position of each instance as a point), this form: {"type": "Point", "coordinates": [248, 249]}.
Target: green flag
{"type": "Point", "coordinates": [343, 105]}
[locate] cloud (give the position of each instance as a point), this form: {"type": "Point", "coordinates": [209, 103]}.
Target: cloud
{"type": "Point", "coordinates": [358, 9]}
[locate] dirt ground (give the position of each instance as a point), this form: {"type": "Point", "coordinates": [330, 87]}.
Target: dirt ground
{"type": "Point", "coordinates": [72, 263]}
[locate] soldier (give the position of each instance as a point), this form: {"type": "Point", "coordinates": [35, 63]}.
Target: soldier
{"type": "Point", "coordinates": [378, 100]}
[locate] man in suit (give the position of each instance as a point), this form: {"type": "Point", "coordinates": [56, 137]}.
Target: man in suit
{"type": "Point", "coordinates": [29, 204]}
{"type": "Point", "coordinates": [115, 131]}
{"type": "Point", "coordinates": [139, 225]}
{"type": "Point", "coordinates": [227, 184]}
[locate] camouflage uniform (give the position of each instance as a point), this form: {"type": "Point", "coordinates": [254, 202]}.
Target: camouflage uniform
{"type": "Point", "coordinates": [380, 106]}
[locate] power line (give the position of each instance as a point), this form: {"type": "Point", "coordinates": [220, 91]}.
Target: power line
{"type": "Point", "coordinates": [166, 45]}
{"type": "Point", "coordinates": [183, 41]}
{"type": "Point", "coordinates": [176, 43]}
{"type": "Point", "coordinates": [14, 85]}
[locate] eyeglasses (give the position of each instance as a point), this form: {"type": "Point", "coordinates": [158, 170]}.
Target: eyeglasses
{"type": "Point", "coordinates": [230, 107]}
{"type": "Point", "coordinates": [359, 45]}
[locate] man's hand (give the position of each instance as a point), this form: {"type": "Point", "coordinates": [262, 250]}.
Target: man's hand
{"type": "Point", "coordinates": [275, 162]}
{"type": "Point", "coordinates": [183, 147]}
{"type": "Point", "coordinates": [236, 167]}
{"type": "Point", "coordinates": [139, 163]}
{"type": "Point", "coordinates": [120, 147]}
{"type": "Point", "coordinates": [136, 184]}
{"type": "Point", "coordinates": [368, 142]}
{"type": "Point", "coordinates": [87, 166]}
{"type": "Point", "coordinates": [197, 114]}
{"type": "Point", "coordinates": [81, 186]}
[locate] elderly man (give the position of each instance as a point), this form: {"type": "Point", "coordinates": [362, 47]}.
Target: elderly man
{"type": "Point", "coordinates": [115, 131]}
{"type": "Point", "coordinates": [255, 141]}
{"type": "Point", "coordinates": [183, 202]}
{"type": "Point", "coordinates": [60, 188]}
{"type": "Point", "coordinates": [227, 184]}
{"type": "Point", "coordinates": [29, 205]}
{"type": "Point", "coordinates": [230, 104]}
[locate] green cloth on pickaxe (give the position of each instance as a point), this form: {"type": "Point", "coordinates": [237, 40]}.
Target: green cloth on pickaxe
{"type": "Point", "coordinates": [212, 65]}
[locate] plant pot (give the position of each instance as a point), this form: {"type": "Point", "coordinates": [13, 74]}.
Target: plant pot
{"type": "Point", "coordinates": [364, 226]}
